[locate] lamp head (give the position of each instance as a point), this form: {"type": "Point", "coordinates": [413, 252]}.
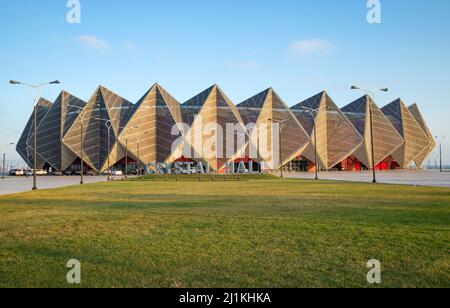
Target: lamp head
{"type": "Point", "coordinates": [14, 82]}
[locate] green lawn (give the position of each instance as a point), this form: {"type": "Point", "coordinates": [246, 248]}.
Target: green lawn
{"type": "Point", "coordinates": [250, 233]}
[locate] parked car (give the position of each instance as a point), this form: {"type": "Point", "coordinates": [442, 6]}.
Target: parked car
{"type": "Point", "coordinates": [41, 172]}
{"type": "Point", "coordinates": [117, 173]}
{"type": "Point", "coordinates": [16, 172]}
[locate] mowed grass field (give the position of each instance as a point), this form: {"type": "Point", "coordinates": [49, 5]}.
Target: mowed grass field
{"type": "Point", "coordinates": [257, 232]}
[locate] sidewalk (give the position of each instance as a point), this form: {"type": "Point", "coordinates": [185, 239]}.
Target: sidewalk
{"type": "Point", "coordinates": [12, 185]}
{"type": "Point", "coordinates": [402, 177]}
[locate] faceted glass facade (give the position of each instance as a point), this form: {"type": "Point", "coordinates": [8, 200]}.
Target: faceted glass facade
{"type": "Point", "coordinates": [210, 129]}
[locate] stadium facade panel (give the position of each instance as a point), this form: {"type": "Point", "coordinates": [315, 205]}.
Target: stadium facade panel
{"type": "Point", "coordinates": [100, 144]}
{"type": "Point", "coordinates": [386, 138]}
{"type": "Point", "coordinates": [267, 109]}
{"type": "Point", "coordinates": [53, 128]}
{"type": "Point", "coordinates": [415, 140]}
{"type": "Point", "coordinates": [209, 137]}
{"type": "Point", "coordinates": [148, 134]}
{"type": "Point", "coordinates": [336, 138]}
{"type": "Point", "coordinates": [417, 114]}
{"type": "Point", "coordinates": [25, 145]}
{"type": "Point", "coordinates": [210, 129]}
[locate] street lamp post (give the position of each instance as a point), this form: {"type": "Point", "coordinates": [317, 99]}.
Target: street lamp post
{"type": "Point", "coordinates": [139, 139]}
{"type": "Point", "coordinates": [35, 101]}
{"type": "Point", "coordinates": [314, 113]}
{"type": "Point", "coordinates": [4, 160]}
{"type": "Point", "coordinates": [3, 167]}
{"type": "Point", "coordinates": [441, 167]}
{"type": "Point", "coordinates": [126, 148]}
{"type": "Point", "coordinates": [81, 150]}
{"type": "Point", "coordinates": [280, 123]}
{"type": "Point", "coordinates": [126, 157]}
{"type": "Point", "coordinates": [372, 95]}
{"type": "Point", "coordinates": [81, 113]}
{"type": "Point", "coordinates": [139, 158]}
{"type": "Point", "coordinates": [108, 125]}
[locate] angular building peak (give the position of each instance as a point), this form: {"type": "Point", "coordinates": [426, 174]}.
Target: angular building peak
{"type": "Point", "coordinates": [337, 138]}
{"type": "Point", "coordinates": [210, 108]}
{"type": "Point", "coordinates": [200, 98]}
{"type": "Point", "coordinates": [53, 127]}
{"type": "Point", "coordinates": [393, 111]}
{"type": "Point", "coordinates": [359, 108]}
{"type": "Point", "coordinates": [314, 102]}
{"type": "Point", "coordinates": [151, 124]}
{"type": "Point", "coordinates": [143, 132]}
{"type": "Point", "coordinates": [386, 138]}
{"type": "Point", "coordinates": [25, 145]}
{"type": "Point", "coordinates": [250, 109]}
{"type": "Point", "coordinates": [415, 139]}
{"type": "Point", "coordinates": [107, 106]}
{"type": "Point", "coordinates": [417, 114]}
{"type": "Point", "coordinates": [256, 101]}
{"type": "Point", "coordinates": [267, 108]}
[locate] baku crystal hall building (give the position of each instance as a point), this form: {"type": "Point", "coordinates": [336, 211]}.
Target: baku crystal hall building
{"type": "Point", "coordinates": [315, 130]}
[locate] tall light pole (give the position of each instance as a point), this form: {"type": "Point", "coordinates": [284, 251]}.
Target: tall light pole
{"type": "Point", "coordinates": [280, 136]}
{"type": "Point", "coordinates": [314, 113]}
{"type": "Point", "coordinates": [139, 152]}
{"type": "Point", "coordinates": [108, 125]}
{"type": "Point", "coordinates": [242, 136]}
{"type": "Point", "coordinates": [4, 159]}
{"type": "Point", "coordinates": [372, 96]}
{"type": "Point", "coordinates": [81, 113]}
{"type": "Point", "coordinates": [440, 140]}
{"type": "Point", "coordinates": [127, 131]}
{"type": "Point", "coordinates": [35, 101]}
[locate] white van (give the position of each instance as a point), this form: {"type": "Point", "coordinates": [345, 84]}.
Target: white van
{"type": "Point", "coordinates": [16, 172]}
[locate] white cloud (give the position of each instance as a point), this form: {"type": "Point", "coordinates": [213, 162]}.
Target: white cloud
{"type": "Point", "coordinates": [95, 43]}
{"type": "Point", "coordinates": [310, 47]}
{"type": "Point", "coordinates": [130, 46]}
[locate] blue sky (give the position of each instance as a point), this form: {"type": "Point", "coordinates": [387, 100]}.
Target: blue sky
{"type": "Point", "coordinates": [298, 47]}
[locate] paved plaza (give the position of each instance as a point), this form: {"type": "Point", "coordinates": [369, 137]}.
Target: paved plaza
{"type": "Point", "coordinates": [402, 177]}
{"type": "Point", "coordinates": [12, 185]}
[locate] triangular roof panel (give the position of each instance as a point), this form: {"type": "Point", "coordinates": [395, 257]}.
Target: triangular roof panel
{"type": "Point", "coordinates": [386, 137]}
{"type": "Point", "coordinates": [337, 139]}
{"type": "Point", "coordinates": [103, 106]}
{"type": "Point", "coordinates": [149, 130]}
{"type": "Point", "coordinates": [427, 151]}
{"type": "Point", "coordinates": [416, 140]}
{"type": "Point", "coordinates": [25, 145]}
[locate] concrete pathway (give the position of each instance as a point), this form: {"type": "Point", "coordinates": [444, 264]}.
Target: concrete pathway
{"type": "Point", "coordinates": [402, 177]}
{"type": "Point", "coordinates": [12, 185]}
